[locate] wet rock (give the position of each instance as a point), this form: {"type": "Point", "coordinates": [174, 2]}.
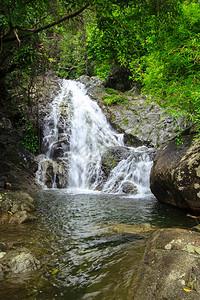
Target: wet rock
{"type": "Point", "coordinates": [175, 174]}
{"type": "Point", "coordinates": [142, 121]}
{"type": "Point", "coordinates": [114, 240]}
{"type": "Point", "coordinates": [19, 262]}
{"type": "Point", "coordinates": [16, 207]}
{"type": "Point", "coordinates": [16, 201]}
{"type": "Point", "coordinates": [112, 157]}
{"type": "Point", "coordinates": [21, 217]}
{"type": "Point", "coordinates": [91, 83]}
{"type": "Point", "coordinates": [23, 262]}
{"type": "Point", "coordinates": [130, 228]}
{"type": "Point", "coordinates": [1, 272]}
{"type": "Point", "coordinates": [54, 172]}
{"type": "Point", "coordinates": [44, 89]}
{"type": "Point", "coordinates": [60, 149]}
{"type": "Point", "coordinates": [170, 267]}
{"type": "Point", "coordinates": [129, 188]}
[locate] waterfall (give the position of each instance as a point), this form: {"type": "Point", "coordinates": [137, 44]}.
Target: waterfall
{"type": "Point", "coordinates": [91, 134]}
{"type": "Point", "coordinates": [76, 137]}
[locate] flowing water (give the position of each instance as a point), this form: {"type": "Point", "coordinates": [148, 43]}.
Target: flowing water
{"type": "Point", "coordinates": [83, 138]}
{"type": "Point", "coordinates": [87, 260]}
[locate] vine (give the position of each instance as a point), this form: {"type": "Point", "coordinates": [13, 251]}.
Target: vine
{"type": "Point", "coordinates": [31, 141]}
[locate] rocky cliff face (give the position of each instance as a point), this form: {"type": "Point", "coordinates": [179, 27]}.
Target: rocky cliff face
{"type": "Point", "coordinates": [175, 175]}
{"type": "Point", "coordinates": [141, 121]}
{"type": "Point", "coordinates": [16, 161]}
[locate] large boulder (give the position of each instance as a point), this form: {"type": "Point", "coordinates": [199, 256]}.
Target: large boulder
{"type": "Point", "coordinates": [170, 267]}
{"type": "Point", "coordinates": [175, 175]}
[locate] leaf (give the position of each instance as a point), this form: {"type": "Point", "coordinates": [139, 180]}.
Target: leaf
{"type": "Point", "coordinates": [188, 290]}
{"type": "Point", "coordinates": [53, 271]}
{"type": "Point", "coordinates": [10, 212]}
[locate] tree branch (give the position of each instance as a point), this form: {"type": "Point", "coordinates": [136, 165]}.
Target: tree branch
{"type": "Point", "coordinates": [17, 37]}
{"type": "Point", "coordinates": [34, 31]}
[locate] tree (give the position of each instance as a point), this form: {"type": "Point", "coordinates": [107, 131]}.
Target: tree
{"type": "Point", "coordinates": [24, 26]}
{"type": "Point", "coordinates": [32, 17]}
{"type": "Point", "coordinates": [159, 42]}
{"type": "Point", "coordinates": [22, 20]}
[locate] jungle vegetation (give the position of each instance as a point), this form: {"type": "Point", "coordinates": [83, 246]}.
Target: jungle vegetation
{"type": "Point", "coordinates": [158, 41]}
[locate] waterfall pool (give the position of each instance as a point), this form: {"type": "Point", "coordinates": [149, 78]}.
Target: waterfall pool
{"type": "Point", "coordinates": [83, 259]}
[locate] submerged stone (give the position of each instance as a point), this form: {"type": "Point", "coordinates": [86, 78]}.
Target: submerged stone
{"type": "Point", "coordinates": [19, 261]}
{"type": "Point", "coordinates": [130, 228]}
{"type": "Point", "coordinates": [23, 262]}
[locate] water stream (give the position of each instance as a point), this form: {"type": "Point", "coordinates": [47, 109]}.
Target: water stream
{"type": "Point", "coordinates": [90, 262]}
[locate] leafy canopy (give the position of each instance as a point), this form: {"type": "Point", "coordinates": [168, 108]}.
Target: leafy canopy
{"type": "Point", "coordinates": [158, 41]}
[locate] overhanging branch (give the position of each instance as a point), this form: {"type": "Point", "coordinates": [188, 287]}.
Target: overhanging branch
{"type": "Point", "coordinates": [34, 31]}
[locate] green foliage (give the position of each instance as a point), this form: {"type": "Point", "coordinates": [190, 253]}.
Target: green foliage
{"type": "Point", "coordinates": [179, 140]}
{"type": "Point", "coordinates": [158, 41]}
{"type": "Point", "coordinates": [30, 140]}
{"type": "Point", "coordinates": [115, 99]}
{"type": "Point", "coordinates": [111, 91]}
{"type": "Point", "coordinates": [114, 38]}
{"type": "Point", "coordinates": [29, 34]}
{"type": "Point", "coordinates": [172, 72]}
{"type": "Point", "coordinates": [125, 121]}
{"type": "Point", "coordinates": [71, 56]}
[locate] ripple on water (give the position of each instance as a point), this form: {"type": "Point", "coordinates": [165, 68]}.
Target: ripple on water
{"type": "Point", "coordinates": [87, 259]}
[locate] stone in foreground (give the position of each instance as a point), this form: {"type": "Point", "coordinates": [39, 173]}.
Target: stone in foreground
{"type": "Point", "coordinates": [170, 267]}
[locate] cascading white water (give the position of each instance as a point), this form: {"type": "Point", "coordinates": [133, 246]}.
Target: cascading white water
{"type": "Point", "coordinates": [133, 171]}
{"type": "Point", "coordinates": [90, 136]}
{"type": "Point", "coordinates": [56, 132]}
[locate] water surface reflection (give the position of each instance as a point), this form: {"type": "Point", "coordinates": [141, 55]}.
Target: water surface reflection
{"type": "Point", "coordinates": [85, 259]}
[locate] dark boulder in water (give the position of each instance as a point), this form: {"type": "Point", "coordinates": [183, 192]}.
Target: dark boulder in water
{"type": "Point", "coordinates": [175, 174]}
{"type": "Point", "coordinates": [129, 188]}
